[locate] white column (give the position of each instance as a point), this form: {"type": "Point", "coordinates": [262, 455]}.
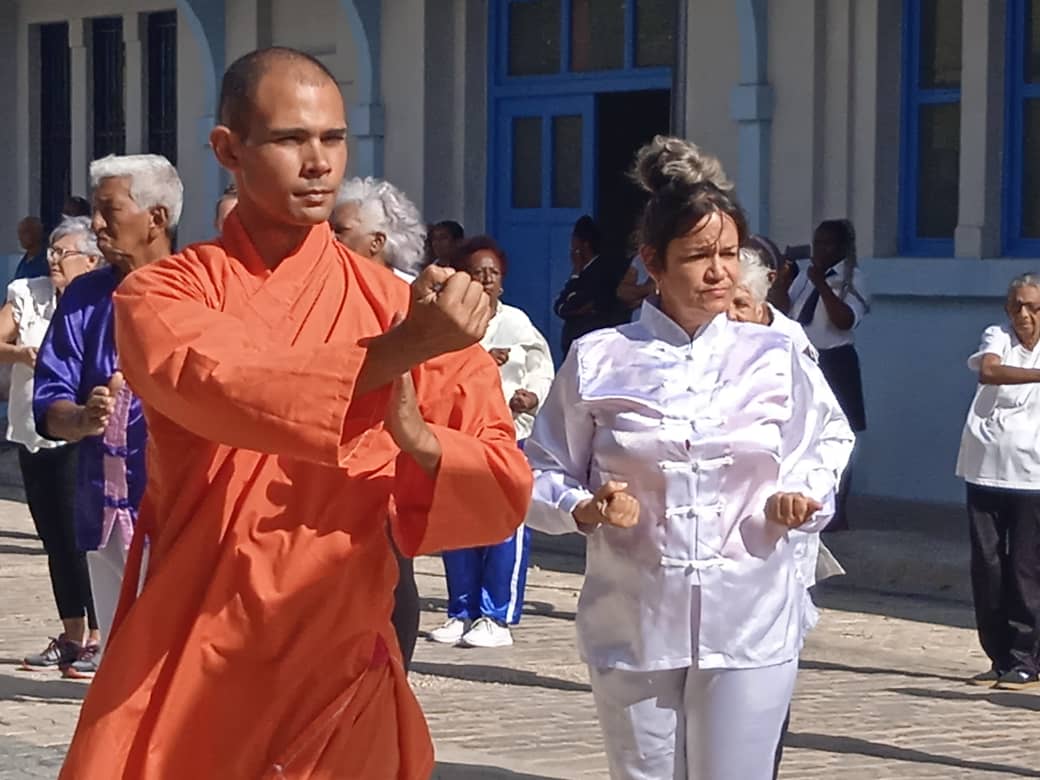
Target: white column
{"type": "Point", "coordinates": [982, 129]}
{"type": "Point", "coordinates": [27, 118]}
{"type": "Point", "coordinates": [403, 30]}
{"type": "Point", "coordinates": [248, 27]}
{"type": "Point", "coordinates": [136, 108]}
{"type": "Point", "coordinates": [874, 129]}
{"type": "Point", "coordinates": [81, 67]}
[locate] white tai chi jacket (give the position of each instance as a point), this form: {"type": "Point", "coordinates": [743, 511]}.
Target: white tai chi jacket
{"type": "Point", "coordinates": [703, 432]}
{"type": "Point", "coordinates": [530, 365]}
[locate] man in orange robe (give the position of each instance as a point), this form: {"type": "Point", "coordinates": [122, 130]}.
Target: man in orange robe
{"type": "Point", "coordinates": [289, 419]}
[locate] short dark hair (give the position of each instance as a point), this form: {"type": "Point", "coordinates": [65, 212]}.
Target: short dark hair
{"type": "Point", "coordinates": [586, 229]}
{"type": "Point", "coordinates": [469, 247]}
{"type": "Point", "coordinates": [454, 229]}
{"type": "Point", "coordinates": [78, 206]}
{"type": "Point", "coordinates": [241, 79]}
{"type": "Point", "coordinates": [768, 251]}
{"type": "Point", "coordinates": [841, 229]}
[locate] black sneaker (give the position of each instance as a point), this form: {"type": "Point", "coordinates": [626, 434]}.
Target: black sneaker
{"type": "Point", "coordinates": [1017, 680]}
{"type": "Point", "coordinates": [59, 652]}
{"type": "Point", "coordinates": [985, 679]}
{"type": "Point", "coordinates": [84, 667]}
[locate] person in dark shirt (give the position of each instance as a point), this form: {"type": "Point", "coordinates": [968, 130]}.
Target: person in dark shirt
{"type": "Point", "coordinates": [589, 300]}
{"type": "Point", "coordinates": [34, 262]}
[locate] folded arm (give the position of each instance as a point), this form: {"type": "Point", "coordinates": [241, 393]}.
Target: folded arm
{"type": "Point", "coordinates": [560, 452]}
{"type": "Point", "coordinates": [993, 372]}
{"type": "Point", "coordinates": [204, 370]}
{"type": "Point", "coordinates": [481, 488]}
{"type": "Point", "coordinates": [817, 441]}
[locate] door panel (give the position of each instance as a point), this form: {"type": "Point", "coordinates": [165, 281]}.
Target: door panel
{"type": "Point", "coordinates": [545, 180]}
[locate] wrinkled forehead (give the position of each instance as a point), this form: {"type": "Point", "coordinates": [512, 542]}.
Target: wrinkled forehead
{"type": "Point", "coordinates": [1027, 293]}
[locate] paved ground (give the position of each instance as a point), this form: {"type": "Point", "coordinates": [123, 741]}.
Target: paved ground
{"type": "Point", "coordinates": [880, 696]}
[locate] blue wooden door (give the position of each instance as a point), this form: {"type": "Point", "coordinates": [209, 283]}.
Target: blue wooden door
{"type": "Point", "coordinates": [543, 179]}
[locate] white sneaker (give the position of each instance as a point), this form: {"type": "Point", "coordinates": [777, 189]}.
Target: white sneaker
{"type": "Point", "coordinates": [487, 633]}
{"type": "Point", "coordinates": [450, 633]}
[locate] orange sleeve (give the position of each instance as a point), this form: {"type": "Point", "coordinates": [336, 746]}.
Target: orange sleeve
{"type": "Point", "coordinates": [483, 486]}
{"type": "Point", "coordinates": [202, 369]}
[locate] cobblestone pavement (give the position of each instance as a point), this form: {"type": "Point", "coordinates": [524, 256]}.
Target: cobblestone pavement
{"type": "Point", "coordinates": [880, 696]}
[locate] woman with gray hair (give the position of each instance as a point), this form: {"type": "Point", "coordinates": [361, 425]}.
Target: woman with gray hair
{"type": "Point", "coordinates": [378, 221]}
{"type": "Point", "coordinates": [999, 460]}
{"type": "Point", "coordinates": [49, 467]}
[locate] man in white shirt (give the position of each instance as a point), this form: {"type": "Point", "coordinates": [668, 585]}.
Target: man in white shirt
{"type": "Point", "coordinates": [999, 459]}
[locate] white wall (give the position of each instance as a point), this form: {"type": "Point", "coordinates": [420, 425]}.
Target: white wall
{"type": "Point", "coordinates": [713, 67]}
{"type": "Point", "coordinates": [403, 48]}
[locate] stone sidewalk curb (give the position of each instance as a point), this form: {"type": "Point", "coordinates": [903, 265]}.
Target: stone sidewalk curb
{"type": "Point", "coordinates": [913, 562]}
{"type": "Point", "coordinates": [899, 562]}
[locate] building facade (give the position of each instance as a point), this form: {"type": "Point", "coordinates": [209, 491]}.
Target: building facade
{"type": "Point", "coordinates": [917, 119]}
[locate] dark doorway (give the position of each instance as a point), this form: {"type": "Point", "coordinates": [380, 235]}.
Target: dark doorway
{"type": "Point", "coordinates": [624, 122]}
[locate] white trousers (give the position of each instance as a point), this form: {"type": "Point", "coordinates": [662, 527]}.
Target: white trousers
{"type": "Point", "coordinates": [107, 566]}
{"type": "Point", "coordinates": [693, 724]}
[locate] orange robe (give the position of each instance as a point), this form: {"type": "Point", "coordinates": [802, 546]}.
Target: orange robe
{"type": "Point", "coordinates": [261, 644]}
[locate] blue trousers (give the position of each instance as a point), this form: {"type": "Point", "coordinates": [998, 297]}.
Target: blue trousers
{"type": "Point", "coordinates": [489, 581]}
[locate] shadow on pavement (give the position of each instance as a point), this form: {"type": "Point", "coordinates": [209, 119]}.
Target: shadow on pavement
{"type": "Point", "coordinates": [19, 686]}
{"type": "Point", "coordinates": [853, 746]}
{"type": "Point", "coordinates": [540, 608]}
{"type": "Point", "coordinates": [18, 549]}
{"type": "Point", "coordinates": [1022, 701]}
{"type": "Point", "coordinates": [498, 674]}
{"type": "Point", "coordinates": [921, 609]}
{"type": "Point", "coordinates": [17, 535]}
{"type": "Point", "coordinates": [827, 666]}
{"type": "Point", "coordinates": [453, 771]}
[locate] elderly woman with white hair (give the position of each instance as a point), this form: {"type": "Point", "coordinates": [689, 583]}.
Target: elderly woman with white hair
{"type": "Point", "coordinates": [375, 219]}
{"type": "Point", "coordinates": [80, 395]}
{"type": "Point", "coordinates": [999, 461]}
{"type": "Point", "coordinates": [49, 467]}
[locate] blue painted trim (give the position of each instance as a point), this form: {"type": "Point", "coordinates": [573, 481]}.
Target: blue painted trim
{"type": "Point", "coordinates": [1018, 92]}
{"type": "Point", "coordinates": [593, 81]}
{"type": "Point", "coordinates": [631, 34]}
{"type": "Point", "coordinates": [910, 243]}
{"type": "Point", "coordinates": [566, 16]}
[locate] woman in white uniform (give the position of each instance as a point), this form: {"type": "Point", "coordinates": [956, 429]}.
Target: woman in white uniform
{"type": "Point", "coordinates": [685, 446]}
{"type": "Point", "coordinates": [486, 584]}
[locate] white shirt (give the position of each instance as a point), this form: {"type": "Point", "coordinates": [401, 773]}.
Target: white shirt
{"type": "Point", "coordinates": [821, 331]}
{"type": "Point", "coordinates": [1000, 445]}
{"type": "Point", "coordinates": [32, 304]}
{"type": "Point", "coordinates": [530, 365]}
{"type": "Point", "coordinates": [793, 331]}
{"type": "Point", "coordinates": [703, 432]}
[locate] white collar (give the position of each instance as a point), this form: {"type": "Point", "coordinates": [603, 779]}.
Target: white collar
{"type": "Point", "coordinates": [663, 327]}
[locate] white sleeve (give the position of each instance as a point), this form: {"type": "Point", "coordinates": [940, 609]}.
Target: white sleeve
{"type": "Point", "coordinates": [816, 442]}
{"type": "Point", "coordinates": [560, 452]}
{"type": "Point", "coordinates": [857, 297]}
{"type": "Point", "coordinates": [17, 292]}
{"type": "Point", "coordinates": [538, 366]}
{"type": "Point", "coordinates": [995, 341]}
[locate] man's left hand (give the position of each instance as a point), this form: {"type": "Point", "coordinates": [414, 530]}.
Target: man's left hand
{"type": "Point", "coordinates": [409, 430]}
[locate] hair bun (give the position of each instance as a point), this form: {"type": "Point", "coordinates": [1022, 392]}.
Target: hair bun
{"type": "Point", "coordinates": [668, 162]}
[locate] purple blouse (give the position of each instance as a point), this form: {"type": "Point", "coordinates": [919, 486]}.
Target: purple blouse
{"type": "Point", "coordinates": [77, 355]}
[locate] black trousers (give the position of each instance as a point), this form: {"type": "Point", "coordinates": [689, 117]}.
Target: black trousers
{"type": "Point", "coordinates": [780, 745]}
{"type": "Point", "coordinates": [405, 616]}
{"type": "Point", "coordinates": [49, 478]}
{"type": "Point", "coordinates": [1005, 574]}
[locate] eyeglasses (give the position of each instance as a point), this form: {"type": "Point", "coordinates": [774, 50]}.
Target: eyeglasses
{"type": "Point", "coordinates": [1014, 307]}
{"type": "Point", "coordinates": [57, 255]}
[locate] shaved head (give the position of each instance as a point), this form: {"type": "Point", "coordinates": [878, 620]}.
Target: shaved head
{"type": "Point", "coordinates": [241, 80]}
